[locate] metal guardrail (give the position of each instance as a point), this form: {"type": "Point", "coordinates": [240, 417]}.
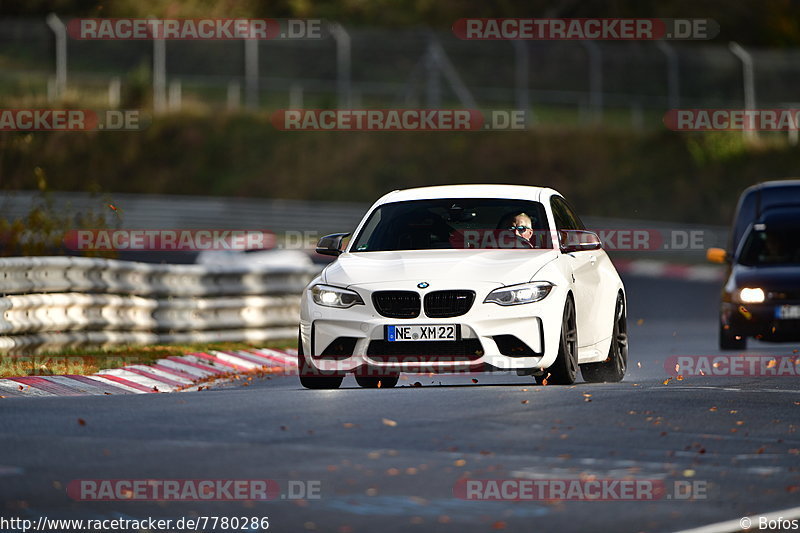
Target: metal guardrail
{"type": "Point", "coordinates": [54, 302]}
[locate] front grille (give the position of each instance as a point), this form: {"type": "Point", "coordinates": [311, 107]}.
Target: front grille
{"type": "Point", "coordinates": [779, 296]}
{"type": "Point", "coordinates": [397, 304]}
{"type": "Point", "coordinates": [424, 351]}
{"type": "Point", "coordinates": [445, 304]}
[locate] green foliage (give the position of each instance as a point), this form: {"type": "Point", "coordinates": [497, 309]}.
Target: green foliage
{"type": "Point", "coordinates": [605, 172]}
{"type": "Point", "coordinates": [43, 229]}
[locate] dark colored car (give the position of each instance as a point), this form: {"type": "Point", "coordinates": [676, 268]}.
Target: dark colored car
{"type": "Point", "coordinates": [761, 295]}
{"type": "Point", "coordinates": [756, 200]}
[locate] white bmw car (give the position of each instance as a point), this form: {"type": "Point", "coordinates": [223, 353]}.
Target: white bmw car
{"type": "Point", "coordinates": [461, 278]}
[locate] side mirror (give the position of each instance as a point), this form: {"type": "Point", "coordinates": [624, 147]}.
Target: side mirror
{"type": "Point", "coordinates": [331, 244]}
{"type": "Point", "coordinates": [578, 240]}
{"type": "Point", "coordinates": [717, 255]}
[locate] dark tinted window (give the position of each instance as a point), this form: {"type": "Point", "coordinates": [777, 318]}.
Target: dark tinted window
{"type": "Point", "coordinates": [451, 223]}
{"type": "Point", "coordinates": [564, 215]}
{"type": "Point", "coordinates": [771, 247]}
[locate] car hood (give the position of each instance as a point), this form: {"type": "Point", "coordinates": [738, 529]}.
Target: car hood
{"type": "Point", "coordinates": [505, 267]}
{"type": "Point", "coordinates": [767, 277]}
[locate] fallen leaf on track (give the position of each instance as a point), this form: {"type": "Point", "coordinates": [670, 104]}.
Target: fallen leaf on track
{"type": "Point", "coordinates": [388, 422]}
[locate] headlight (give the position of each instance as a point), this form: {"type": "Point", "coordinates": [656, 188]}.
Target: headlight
{"type": "Point", "coordinates": [335, 297]}
{"type": "Point", "coordinates": [751, 296]}
{"type": "Point", "coordinates": [519, 294]}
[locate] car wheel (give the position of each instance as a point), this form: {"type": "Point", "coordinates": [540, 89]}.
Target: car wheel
{"type": "Point", "coordinates": [565, 368]}
{"type": "Point", "coordinates": [613, 368]}
{"type": "Point", "coordinates": [729, 340]}
{"type": "Point", "coordinates": [371, 382]}
{"type": "Point", "coordinates": [310, 377]}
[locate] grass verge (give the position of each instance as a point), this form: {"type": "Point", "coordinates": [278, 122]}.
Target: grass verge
{"type": "Point", "coordinates": [89, 361]}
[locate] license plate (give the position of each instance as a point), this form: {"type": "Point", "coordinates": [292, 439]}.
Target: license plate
{"type": "Point", "coordinates": [439, 332]}
{"type": "Point", "coordinates": [787, 312]}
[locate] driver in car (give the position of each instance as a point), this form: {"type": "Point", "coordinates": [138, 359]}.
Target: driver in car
{"type": "Point", "coordinates": [519, 223]}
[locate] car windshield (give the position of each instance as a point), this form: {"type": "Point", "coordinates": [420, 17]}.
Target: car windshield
{"type": "Point", "coordinates": [771, 247]}
{"type": "Point", "coordinates": [455, 223]}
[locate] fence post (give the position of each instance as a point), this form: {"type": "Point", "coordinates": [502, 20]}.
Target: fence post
{"type": "Point", "coordinates": [114, 92]}
{"type": "Point", "coordinates": [673, 73]}
{"type": "Point", "coordinates": [296, 96]}
{"type": "Point", "coordinates": [60, 32]}
{"type": "Point", "coordinates": [433, 82]}
{"type": "Point", "coordinates": [522, 67]}
{"type": "Point", "coordinates": [175, 97]}
{"type": "Point", "coordinates": [343, 66]}
{"type": "Point", "coordinates": [251, 73]}
{"type": "Point", "coordinates": [159, 75]}
{"type": "Point", "coordinates": [234, 96]}
{"type": "Point", "coordinates": [595, 78]}
{"type": "Point", "coordinates": [748, 79]}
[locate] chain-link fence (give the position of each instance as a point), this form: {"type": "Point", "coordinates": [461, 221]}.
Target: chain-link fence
{"type": "Point", "coordinates": [629, 83]}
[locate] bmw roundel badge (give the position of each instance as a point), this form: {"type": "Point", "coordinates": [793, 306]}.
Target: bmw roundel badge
{"type": "Point", "coordinates": [423, 285]}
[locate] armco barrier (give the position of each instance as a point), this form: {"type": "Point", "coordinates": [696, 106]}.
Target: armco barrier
{"type": "Point", "coordinates": [53, 302]}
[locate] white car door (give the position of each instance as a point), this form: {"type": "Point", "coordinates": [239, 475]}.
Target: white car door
{"type": "Point", "coordinates": [586, 278]}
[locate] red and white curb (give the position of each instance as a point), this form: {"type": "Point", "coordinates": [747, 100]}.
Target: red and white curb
{"type": "Point", "coordinates": [165, 375]}
{"type": "Point", "coordinates": [659, 269]}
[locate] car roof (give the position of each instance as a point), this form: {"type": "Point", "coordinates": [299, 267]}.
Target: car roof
{"type": "Point", "coordinates": [792, 182]}
{"type": "Point", "coordinates": [493, 190]}
{"type": "Point", "coordinates": [780, 216]}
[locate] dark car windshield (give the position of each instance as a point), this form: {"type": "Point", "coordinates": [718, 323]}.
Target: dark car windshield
{"type": "Point", "coordinates": [771, 247]}
{"type": "Point", "coordinates": [454, 223]}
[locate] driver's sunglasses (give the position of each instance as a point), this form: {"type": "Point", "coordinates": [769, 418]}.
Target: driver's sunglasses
{"type": "Point", "coordinates": [519, 228]}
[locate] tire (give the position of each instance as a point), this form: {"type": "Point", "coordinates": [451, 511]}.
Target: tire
{"type": "Point", "coordinates": [728, 340]}
{"type": "Point", "coordinates": [565, 368]}
{"type": "Point", "coordinates": [371, 382]}
{"type": "Point", "coordinates": [613, 369]}
{"type": "Point", "coordinates": [309, 376]}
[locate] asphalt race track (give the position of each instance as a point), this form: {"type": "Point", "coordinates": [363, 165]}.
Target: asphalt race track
{"type": "Point", "coordinates": [388, 460]}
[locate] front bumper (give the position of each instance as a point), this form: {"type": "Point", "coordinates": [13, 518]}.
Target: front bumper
{"type": "Point", "coordinates": [520, 337]}
{"type": "Point", "coordinates": [760, 321]}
